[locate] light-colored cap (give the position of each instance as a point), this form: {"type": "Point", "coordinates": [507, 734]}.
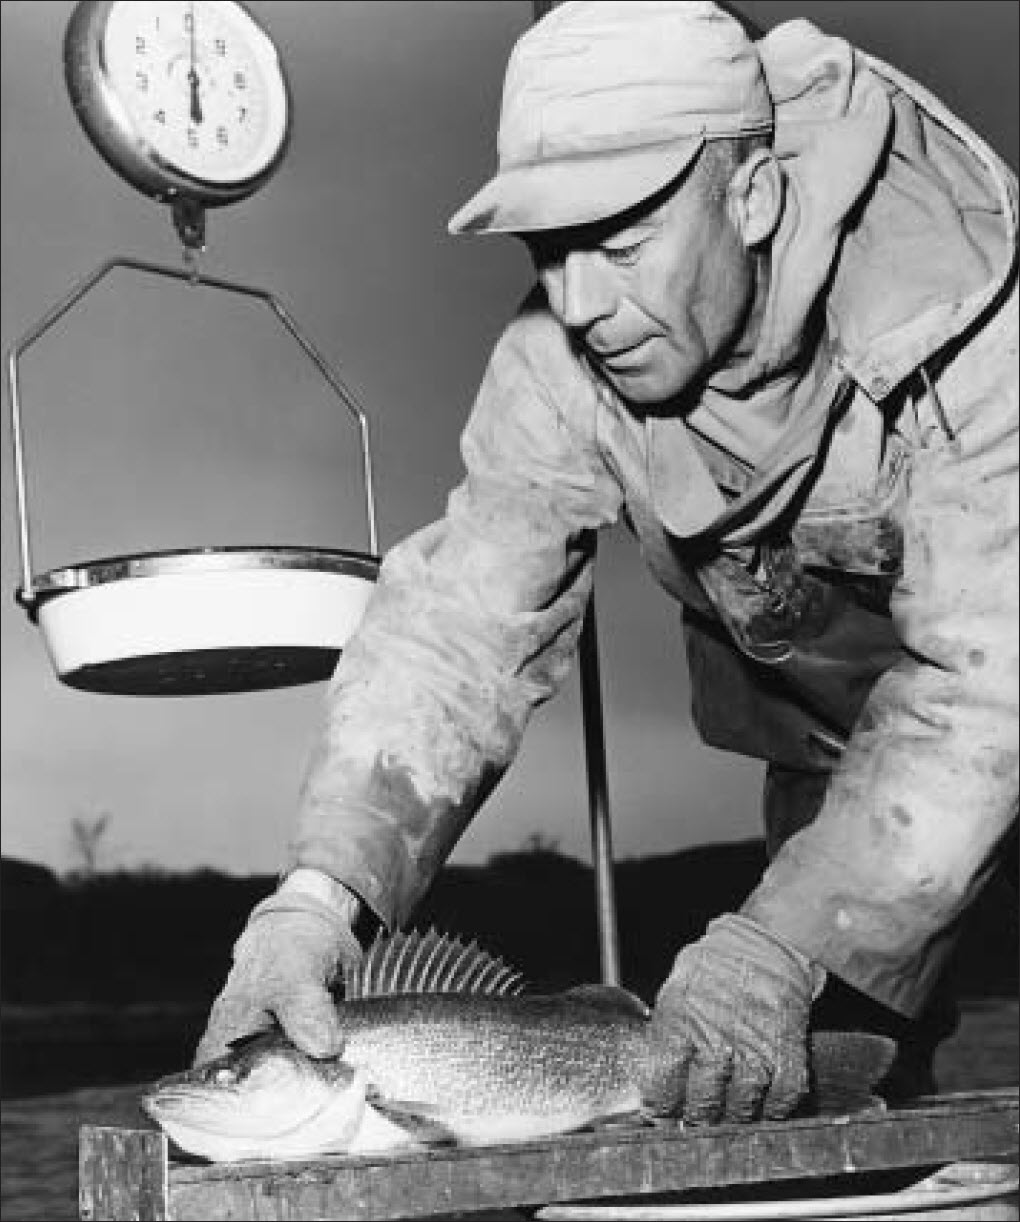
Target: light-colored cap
{"type": "Point", "coordinates": [607, 101]}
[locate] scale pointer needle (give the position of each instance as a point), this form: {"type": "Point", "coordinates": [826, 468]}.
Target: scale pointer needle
{"type": "Point", "coordinates": [193, 81]}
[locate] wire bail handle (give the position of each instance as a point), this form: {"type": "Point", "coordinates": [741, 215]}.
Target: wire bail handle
{"type": "Point", "coordinates": [190, 273]}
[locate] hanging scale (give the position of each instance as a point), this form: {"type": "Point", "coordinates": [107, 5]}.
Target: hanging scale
{"type": "Point", "coordinates": [189, 103]}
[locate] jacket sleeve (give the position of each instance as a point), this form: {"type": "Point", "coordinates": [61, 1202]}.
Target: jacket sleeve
{"type": "Point", "coordinates": [473, 624]}
{"type": "Point", "coordinates": [927, 788]}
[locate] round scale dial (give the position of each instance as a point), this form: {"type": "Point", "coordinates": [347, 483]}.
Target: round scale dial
{"type": "Point", "coordinates": [182, 97]}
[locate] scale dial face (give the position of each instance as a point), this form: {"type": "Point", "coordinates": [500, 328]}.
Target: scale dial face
{"type": "Point", "coordinates": [182, 97]}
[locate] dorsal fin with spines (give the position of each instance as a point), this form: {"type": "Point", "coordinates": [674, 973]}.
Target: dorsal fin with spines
{"type": "Point", "coordinates": [430, 962]}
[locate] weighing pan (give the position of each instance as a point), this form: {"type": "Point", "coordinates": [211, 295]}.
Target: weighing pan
{"type": "Point", "coordinates": [200, 622]}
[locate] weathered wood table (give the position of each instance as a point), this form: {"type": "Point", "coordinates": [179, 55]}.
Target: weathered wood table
{"type": "Point", "coordinates": [130, 1173]}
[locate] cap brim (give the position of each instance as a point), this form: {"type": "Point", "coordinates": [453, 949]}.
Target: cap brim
{"type": "Point", "coordinates": [574, 190]}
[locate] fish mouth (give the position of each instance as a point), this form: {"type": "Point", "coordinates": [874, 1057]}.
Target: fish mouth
{"type": "Point", "coordinates": [217, 1113]}
{"type": "Point", "coordinates": [168, 1102]}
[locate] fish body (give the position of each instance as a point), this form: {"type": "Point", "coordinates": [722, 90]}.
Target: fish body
{"type": "Point", "coordinates": [442, 1047]}
{"type": "Point", "coordinates": [484, 1069]}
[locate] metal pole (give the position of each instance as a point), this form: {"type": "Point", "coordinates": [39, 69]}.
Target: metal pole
{"type": "Point", "coordinates": [598, 799]}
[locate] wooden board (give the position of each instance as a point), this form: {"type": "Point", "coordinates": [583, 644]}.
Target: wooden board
{"type": "Point", "coordinates": [129, 1173]}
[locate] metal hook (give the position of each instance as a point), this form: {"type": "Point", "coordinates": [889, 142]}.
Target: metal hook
{"type": "Point", "coordinates": [191, 265]}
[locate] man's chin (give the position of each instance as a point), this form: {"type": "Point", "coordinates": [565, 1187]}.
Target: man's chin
{"type": "Point", "coordinates": [646, 389]}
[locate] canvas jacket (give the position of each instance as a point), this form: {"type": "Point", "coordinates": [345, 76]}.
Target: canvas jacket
{"type": "Point", "coordinates": [838, 520]}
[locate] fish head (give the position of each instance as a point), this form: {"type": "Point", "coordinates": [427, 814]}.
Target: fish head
{"type": "Point", "coordinates": [261, 1099]}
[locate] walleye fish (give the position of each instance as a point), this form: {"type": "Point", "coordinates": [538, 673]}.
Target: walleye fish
{"type": "Point", "coordinates": [442, 1045]}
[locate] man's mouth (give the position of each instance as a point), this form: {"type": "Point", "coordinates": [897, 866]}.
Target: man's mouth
{"type": "Point", "coordinates": [620, 360]}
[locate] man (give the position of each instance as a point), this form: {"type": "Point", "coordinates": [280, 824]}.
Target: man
{"type": "Point", "coordinates": [774, 330]}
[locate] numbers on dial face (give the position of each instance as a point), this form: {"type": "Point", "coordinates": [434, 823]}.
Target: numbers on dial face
{"type": "Point", "coordinates": [200, 83]}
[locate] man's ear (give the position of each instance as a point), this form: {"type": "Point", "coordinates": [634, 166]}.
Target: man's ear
{"type": "Point", "coordinates": [754, 198]}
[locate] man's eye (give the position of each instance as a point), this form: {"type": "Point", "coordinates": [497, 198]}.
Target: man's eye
{"type": "Point", "coordinates": [622, 254]}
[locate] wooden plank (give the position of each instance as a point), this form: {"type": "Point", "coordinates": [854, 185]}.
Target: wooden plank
{"type": "Point", "coordinates": [122, 1173]}
{"type": "Point", "coordinates": [614, 1162]}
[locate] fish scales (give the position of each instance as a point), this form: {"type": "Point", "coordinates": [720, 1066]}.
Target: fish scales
{"type": "Point", "coordinates": [433, 1049]}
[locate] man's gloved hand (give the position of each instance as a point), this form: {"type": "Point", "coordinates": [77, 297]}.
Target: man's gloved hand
{"type": "Point", "coordinates": [735, 1008]}
{"type": "Point", "coordinates": [290, 952]}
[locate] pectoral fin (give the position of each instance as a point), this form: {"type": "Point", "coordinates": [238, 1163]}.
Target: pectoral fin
{"type": "Point", "coordinates": [422, 1122]}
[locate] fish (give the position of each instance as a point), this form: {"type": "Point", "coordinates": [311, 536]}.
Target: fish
{"type": "Point", "coordinates": [445, 1046]}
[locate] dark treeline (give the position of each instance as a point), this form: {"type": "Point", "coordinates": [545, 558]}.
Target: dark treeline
{"type": "Point", "coordinates": [150, 937]}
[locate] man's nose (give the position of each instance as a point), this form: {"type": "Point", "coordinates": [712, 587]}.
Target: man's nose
{"type": "Point", "coordinates": [587, 292]}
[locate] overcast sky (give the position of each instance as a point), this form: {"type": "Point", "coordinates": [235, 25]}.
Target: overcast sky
{"type": "Point", "coordinates": [158, 417]}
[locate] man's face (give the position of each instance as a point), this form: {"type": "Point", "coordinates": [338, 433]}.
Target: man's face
{"type": "Point", "coordinates": [657, 297]}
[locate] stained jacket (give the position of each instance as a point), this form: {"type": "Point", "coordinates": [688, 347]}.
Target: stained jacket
{"type": "Point", "coordinates": [838, 520]}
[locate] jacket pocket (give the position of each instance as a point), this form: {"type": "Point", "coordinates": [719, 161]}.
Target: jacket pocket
{"type": "Point", "coordinates": [796, 709]}
{"type": "Point", "coordinates": [863, 535]}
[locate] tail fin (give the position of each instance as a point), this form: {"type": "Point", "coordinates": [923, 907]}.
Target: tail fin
{"type": "Point", "coordinates": [847, 1068]}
